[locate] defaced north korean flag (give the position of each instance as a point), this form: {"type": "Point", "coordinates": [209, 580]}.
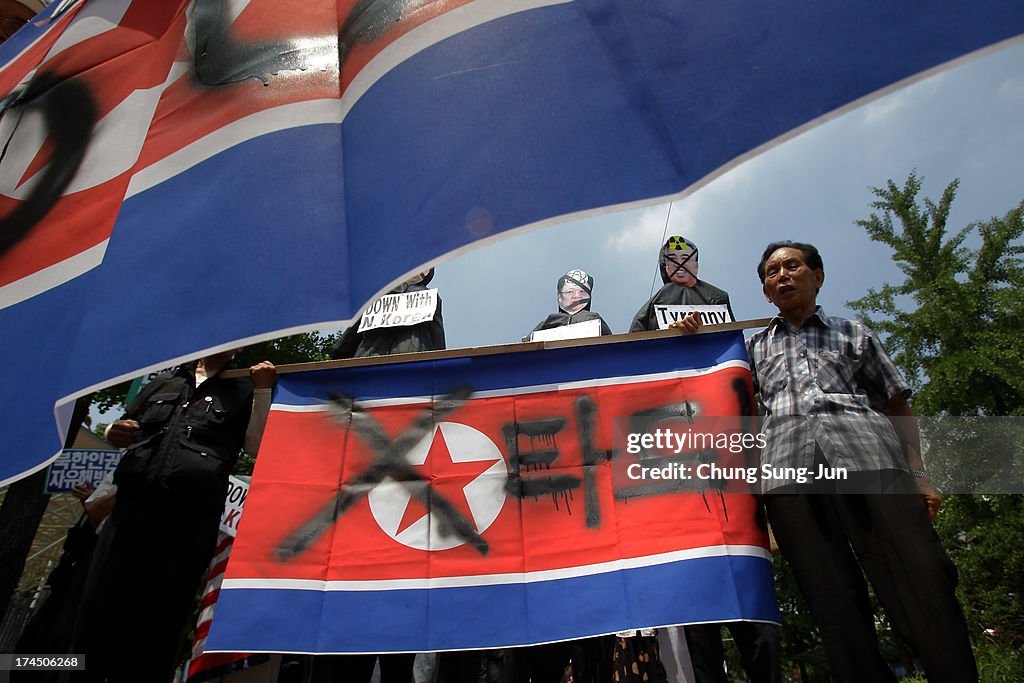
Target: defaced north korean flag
{"type": "Point", "coordinates": [500, 500]}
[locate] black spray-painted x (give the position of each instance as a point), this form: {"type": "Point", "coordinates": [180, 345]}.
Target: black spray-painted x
{"type": "Point", "coordinates": [390, 461]}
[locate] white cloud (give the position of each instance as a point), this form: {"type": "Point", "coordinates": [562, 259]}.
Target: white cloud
{"type": "Point", "coordinates": [646, 229]}
{"type": "Point", "coordinates": [879, 111]}
{"type": "Point", "coordinates": [1011, 89]}
{"type": "Point", "coordinates": [690, 216]}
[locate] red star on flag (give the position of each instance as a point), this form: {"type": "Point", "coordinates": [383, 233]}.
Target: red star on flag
{"type": "Point", "coordinates": [448, 479]}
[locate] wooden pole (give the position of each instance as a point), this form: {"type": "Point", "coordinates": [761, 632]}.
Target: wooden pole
{"type": "Point", "coordinates": [504, 348]}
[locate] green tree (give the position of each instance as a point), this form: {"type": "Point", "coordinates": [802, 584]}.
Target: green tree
{"type": "Point", "coordinates": [298, 348]}
{"type": "Point", "coordinates": [960, 344]}
{"type": "Point", "coordinates": [953, 327]}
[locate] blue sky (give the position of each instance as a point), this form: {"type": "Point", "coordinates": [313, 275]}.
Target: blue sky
{"type": "Point", "coordinates": [964, 122]}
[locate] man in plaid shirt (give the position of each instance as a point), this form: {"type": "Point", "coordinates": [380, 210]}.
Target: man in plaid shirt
{"type": "Point", "coordinates": [833, 402]}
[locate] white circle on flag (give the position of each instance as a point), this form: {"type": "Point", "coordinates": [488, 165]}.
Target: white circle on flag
{"type": "Point", "coordinates": [392, 503]}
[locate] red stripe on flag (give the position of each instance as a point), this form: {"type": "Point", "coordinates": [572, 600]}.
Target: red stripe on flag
{"type": "Point", "coordinates": [313, 458]}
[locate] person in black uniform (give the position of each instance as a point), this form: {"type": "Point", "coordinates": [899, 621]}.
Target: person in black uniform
{"type": "Point", "coordinates": [426, 334]}
{"type": "Point", "coordinates": [590, 657]}
{"type": "Point", "coordinates": [183, 434]}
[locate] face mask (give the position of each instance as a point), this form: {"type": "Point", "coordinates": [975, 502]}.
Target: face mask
{"type": "Point", "coordinates": [574, 291]}
{"type": "Point", "coordinates": [679, 259]}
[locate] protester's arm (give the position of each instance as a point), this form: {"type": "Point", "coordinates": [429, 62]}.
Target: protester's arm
{"type": "Point", "coordinates": [99, 507]}
{"type": "Point", "coordinates": [263, 376]}
{"type": "Point", "coordinates": [101, 502]}
{"type": "Point", "coordinates": [888, 392]}
{"type": "Point", "coordinates": [902, 417]}
{"type": "Point", "coordinates": [121, 432]}
{"type": "Point", "coordinates": [83, 490]}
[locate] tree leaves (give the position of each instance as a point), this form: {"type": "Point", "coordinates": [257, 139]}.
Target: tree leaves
{"type": "Point", "coordinates": [960, 344]}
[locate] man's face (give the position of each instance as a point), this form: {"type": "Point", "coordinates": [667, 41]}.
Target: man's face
{"type": "Point", "coordinates": [681, 267]}
{"type": "Point", "coordinates": [789, 282]}
{"type": "Point", "coordinates": [572, 298]}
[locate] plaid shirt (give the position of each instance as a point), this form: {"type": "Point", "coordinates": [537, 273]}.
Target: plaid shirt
{"type": "Point", "coordinates": [825, 386]}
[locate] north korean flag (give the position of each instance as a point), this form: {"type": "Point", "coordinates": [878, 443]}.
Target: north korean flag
{"type": "Point", "coordinates": [492, 501]}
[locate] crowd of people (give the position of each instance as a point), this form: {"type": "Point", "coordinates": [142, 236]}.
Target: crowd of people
{"type": "Point", "coordinates": [831, 398]}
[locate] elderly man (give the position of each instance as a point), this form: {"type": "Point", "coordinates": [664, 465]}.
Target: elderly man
{"type": "Point", "coordinates": [836, 406]}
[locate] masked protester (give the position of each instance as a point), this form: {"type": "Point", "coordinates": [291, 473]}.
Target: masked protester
{"type": "Point", "coordinates": [590, 658]}
{"type": "Point", "coordinates": [573, 293]}
{"type": "Point", "coordinates": [383, 340]}
{"type": "Point", "coordinates": [377, 339]}
{"type": "Point", "coordinates": [758, 643]}
{"type": "Point", "coordinates": [677, 265]}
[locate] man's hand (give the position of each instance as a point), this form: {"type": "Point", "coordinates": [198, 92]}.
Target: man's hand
{"type": "Point", "coordinates": [120, 433]}
{"type": "Point", "coordinates": [83, 490]}
{"type": "Point", "coordinates": [901, 415]}
{"type": "Point", "coordinates": [688, 325]}
{"type": "Point", "coordinates": [263, 375]}
{"type": "Point", "coordinates": [932, 500]}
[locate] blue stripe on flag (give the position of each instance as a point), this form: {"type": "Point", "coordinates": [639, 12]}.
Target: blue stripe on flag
{"type": "Point", "coordinates": [509, 370]}
{"type": "Point", "coordinates": [723, 588]}
{"type": "Point", "coordinates": [27, 34]}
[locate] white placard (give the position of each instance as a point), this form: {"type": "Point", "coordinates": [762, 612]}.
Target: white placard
{"type": "Point", "coordinates": [233, 505]}
{"type": "Point", "coordinates": [713, 314]}
{"type": "Point", "coordinates": [399, 310]}
{"type": "Point", "coordinates": [587, 328]}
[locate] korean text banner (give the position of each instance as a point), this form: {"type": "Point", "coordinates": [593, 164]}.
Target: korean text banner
{"type": "Point", "coordinates": [489, 501]}
{"type": "Point", "coordinates": [176, 176]}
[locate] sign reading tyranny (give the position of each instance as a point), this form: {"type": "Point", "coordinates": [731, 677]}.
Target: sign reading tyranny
{"type": "Point", "coordinates": [491, 500]}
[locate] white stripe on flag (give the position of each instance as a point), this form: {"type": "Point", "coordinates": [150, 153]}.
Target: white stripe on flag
{"type": "Point", "coordinates": [333, 110]}
{"type": "Point", "coordinates": [502, 579]}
